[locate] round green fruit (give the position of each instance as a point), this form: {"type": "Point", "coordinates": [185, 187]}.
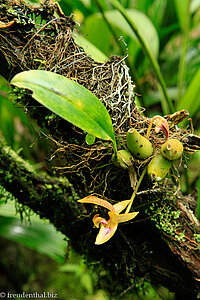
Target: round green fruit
{"type": "Point", "coordinates": [172, 149]}
{"type": "Point", "coordinates": [158, 168]}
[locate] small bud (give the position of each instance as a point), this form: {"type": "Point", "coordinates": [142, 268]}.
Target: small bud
{"type": "Point", "coordinates": [138, 145]}
{"type": "Point", "coordinates": [172, 149]}
{"type": "Point", "coordinates": [162, 125]}
{"type": "Point", "coordinates": [158, 168]}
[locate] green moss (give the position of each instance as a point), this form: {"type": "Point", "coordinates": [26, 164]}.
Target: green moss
{"type": "Point", "coordinates": [166, 219]}
{"type": "Point", "coordinates": [197, 238]}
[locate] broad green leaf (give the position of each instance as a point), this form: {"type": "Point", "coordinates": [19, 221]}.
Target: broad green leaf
{"type": "Point", "coordinates": [194, 6]}
{"type": "Point", "coordinates": [38, 235]}
{"type": "Point", "coordinates": [90, 49]}
{"type": "Point", "coordinates": [144, 26]}
{"type": "Point", "coordinates": [69, 100]}
{"type": "Point", "coordinates": [94, 26]}
{"type": "Point", "coordinates": [191, 99]}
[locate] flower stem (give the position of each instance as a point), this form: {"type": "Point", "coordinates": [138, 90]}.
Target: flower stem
{"type": "Point", "coordinates": [135, 190]}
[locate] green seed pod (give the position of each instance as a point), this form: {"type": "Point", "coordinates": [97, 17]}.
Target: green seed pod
{"type": "Point", "coordinates": [158, 168]}
{"type": "Point", "coordinates": [138, 145]}
{"type": "Point", "coordinates": [172, 149]}
{"type": "Point", "coordinates": [122, 159]}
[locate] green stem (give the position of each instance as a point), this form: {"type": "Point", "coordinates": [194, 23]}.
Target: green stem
{"type": "Point", "coordinates": [114, 147]}
{"type": "Point", "coordinates": [166, 102]}
{"type": "Point", "coordinates": [135, 191]}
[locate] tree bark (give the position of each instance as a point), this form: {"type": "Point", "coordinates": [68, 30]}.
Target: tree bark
{"type": "Point", "coordinates": [161, 245]}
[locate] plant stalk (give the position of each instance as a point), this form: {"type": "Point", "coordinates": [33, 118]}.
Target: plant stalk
{"type": "Point", "coordinates": [135, 191]}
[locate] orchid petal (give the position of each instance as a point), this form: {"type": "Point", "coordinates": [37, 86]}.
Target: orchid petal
{"type": "Point", "coordinates": [123, 217]}
{"type": "Point", "coordinates": [98, 220]}
{"type": "Point", "coordinates": [98, 201]}
{"type": "Point", "coordinates": [105, 233]}
{"type": "Point", "coordinates": [118, 207]}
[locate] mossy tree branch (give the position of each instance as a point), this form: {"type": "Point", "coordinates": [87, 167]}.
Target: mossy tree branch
{"type": "Point", "coordinates": [50, 197]}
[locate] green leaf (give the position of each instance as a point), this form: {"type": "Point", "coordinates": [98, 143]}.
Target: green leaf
{"type": "Point", "coordinates": [90, 49]}
{"type": "Point", "coordinates": [69, 100]}
{"type": "Point", "coordinates": [183, 14]}
{"type": "Point", "coordinates": [166, 102]}
{"type": "Point", "coordinates": [40, 237]}
{"type": "Point", "coordinates": [191, 99]}
{"type": "Point", "coordinates": [94, 26]}
{"type": "Point", "coordinates": [182, 11]}
{"type": "Point", "coordinates": [143, 23]}
{"type": "Point", "coordinates": [195, 4]}
{"type": "Point", "coordinates": [157, 12]}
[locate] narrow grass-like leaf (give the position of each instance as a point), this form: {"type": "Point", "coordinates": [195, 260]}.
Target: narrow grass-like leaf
{"type": "Point", "coordinates": [69, 100]}
{"type": "Point", "coordinates": [182, 11]}
{"type": "Point", "coordinates": [143, 23]}
{"type": "Point", "coordinates": [167, 104]}
{"type": "Point", "coordinates": [191, 99]}
{"type": "Point", "coordinates": [183, 14]}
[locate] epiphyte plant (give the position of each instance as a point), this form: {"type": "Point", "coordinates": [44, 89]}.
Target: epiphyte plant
{"type": "Point", "coordinates": [79, 106]}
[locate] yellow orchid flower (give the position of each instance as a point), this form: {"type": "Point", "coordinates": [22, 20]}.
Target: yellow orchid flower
{"type": "Point", "coordinates": [108, 228]}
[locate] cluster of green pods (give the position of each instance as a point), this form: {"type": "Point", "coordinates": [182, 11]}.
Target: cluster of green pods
{"type": "Point", "coordinates": [161, 163]}
{"type": "Point", "coordinates": [141, 148]}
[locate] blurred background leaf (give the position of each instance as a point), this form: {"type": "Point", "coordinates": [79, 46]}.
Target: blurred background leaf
{"type": "Point", "coordinates": [35, 234]}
